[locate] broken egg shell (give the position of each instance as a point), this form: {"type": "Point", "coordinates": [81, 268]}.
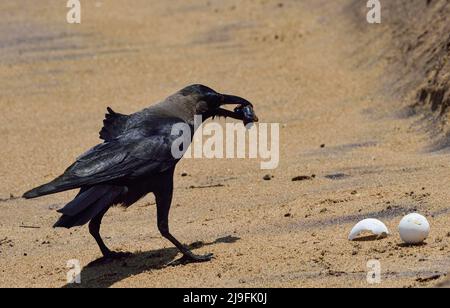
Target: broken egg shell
{"type": "Point", "coordinates": [369, 225]}
{"type": "Point", "coordinates": [414, 229]}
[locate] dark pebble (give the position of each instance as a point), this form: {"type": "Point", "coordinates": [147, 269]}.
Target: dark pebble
{"type": "Point", "coordinates": [302, 178]}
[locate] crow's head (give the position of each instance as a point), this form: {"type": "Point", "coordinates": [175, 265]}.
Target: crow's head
{"type": "Point", "coordinates": [209, 103]}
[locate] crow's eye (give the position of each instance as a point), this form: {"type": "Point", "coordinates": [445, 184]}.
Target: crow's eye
{"type": "Point", "coordinates": [214, 101]}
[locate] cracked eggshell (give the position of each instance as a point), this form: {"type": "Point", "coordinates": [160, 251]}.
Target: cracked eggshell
{"type": "Point", "coordinates": [414, 229]}
{"type": "Point", "coordinates": [369, 225]}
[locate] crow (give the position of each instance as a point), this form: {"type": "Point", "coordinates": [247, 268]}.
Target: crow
{"type": "Point", "coordinates": [136, 159]}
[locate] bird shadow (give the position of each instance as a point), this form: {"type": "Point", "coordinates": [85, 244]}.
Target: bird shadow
{"type": "Point", "coordinates": [98, 275]}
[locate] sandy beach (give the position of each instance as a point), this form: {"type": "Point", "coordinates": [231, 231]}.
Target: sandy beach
{"type": "Point", "coordinates": [315, 67]}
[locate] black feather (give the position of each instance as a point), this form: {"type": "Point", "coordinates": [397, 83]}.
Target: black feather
{"type": "Point", "coordinates": [87, 205]}
{"type": "Point", "coordinates": [114, 125]}
{"type": "Point", "coordinates": [84, 199]}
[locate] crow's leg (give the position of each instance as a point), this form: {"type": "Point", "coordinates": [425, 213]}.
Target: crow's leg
{"type": "Point", "coordinates": [163, 202]}
{"type": "Point", "coordinates": [94, 230]}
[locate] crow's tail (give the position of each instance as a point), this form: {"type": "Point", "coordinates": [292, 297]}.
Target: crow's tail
{"type": "Point", "coordinates": [47, 189]}
{"type": "Point", "coordinates": [87, 204]}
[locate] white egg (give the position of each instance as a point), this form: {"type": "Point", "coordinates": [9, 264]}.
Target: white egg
{"type": "Point", "coordinates": [414, 229]}
{"type": "Point", "coordinates": [371, 225]}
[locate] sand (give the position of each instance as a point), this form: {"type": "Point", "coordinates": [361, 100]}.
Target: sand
{"type": "Point", "coordinates": [312, 66]}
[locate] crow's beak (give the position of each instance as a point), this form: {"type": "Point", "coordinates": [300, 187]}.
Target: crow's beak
{"type": "Point", "coordinates": [235, 100]}
{"type": "Point", "coordinates": [244, 110]}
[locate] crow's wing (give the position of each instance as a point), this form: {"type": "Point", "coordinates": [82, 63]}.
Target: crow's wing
{"type": "Point", "coordinates": [114, 125]}
{"type": "Point", "coordinates": [136, 153]}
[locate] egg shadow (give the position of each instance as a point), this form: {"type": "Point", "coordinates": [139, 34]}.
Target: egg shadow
{"type": "Point", "coordinates": [370, 238]}
{"type": "Point", "coordinates": [98, 275]}
{"type": "Point", "coordinates": [405, 245]}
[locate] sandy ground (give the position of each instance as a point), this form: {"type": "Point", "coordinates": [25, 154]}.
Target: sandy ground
{"type": "Point", "coordinates": [303, 64]}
